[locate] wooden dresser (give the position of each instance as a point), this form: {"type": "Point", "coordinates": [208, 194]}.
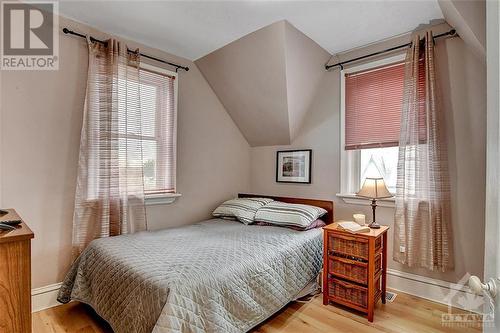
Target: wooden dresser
{"type": "Point", "coordinates": [354, 268]}
{"type": "Point", "coordinates": [15, 277]}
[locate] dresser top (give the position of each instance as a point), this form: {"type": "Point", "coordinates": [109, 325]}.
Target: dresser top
{"type": "Point", "coordinates": [373, 232]}
{"type": "Point", "coordinates": [22, 231]}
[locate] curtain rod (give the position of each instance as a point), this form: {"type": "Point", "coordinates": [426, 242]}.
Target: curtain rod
{"type": "Point", "coordinates": [67, 31]}
{"type": "Point", "coordinates": [452, 33]}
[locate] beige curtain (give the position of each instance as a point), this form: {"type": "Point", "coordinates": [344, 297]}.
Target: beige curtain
{"type": "Point", "coordinates": [110, 188]}
{"type": "Point", "coordinates": [422, 236]}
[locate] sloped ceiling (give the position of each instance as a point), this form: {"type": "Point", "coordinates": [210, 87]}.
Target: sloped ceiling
{"type": "Point", "coordinates": [469, 19]}
{"type": "Point", "coordinates": [266, 81]}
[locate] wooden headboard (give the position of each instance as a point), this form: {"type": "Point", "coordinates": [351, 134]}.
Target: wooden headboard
{"type": "Point", "coordinates": [325, 204]}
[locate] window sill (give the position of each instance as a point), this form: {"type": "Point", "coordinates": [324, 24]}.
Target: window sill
{"type": "Point", "coordinates": [355, 200]}
{"type": "Point", "coordinates": [160, 199]}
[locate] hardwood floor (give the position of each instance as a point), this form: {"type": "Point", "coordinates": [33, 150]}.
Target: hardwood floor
{"type": "Point", "coordinates": [407, 314]}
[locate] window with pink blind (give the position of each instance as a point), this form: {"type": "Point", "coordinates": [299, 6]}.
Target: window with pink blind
{"type": "Point", "coordinates": [373, 102]}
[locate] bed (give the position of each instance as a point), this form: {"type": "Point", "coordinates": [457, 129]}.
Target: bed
{"type": "Point", "coordinates": [214, 276]}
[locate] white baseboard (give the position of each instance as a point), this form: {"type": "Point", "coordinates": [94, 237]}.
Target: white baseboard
{"type": "Point", "coordinates": [431, 289]}
{"type": "Point", "coordinates": [44, 297]}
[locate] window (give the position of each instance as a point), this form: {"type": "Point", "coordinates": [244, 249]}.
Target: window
{"type": "Point", "coordinates": [158, 112]}
{"type": "Point", "coordinates": [380, 162]}
{"type": "Point", "coordinates": [372, 97]}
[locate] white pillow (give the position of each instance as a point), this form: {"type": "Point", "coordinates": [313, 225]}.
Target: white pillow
{"type": "Point", "coordinates": [243, 209]}
{"type": "Point", "coordinates": [281, 213]}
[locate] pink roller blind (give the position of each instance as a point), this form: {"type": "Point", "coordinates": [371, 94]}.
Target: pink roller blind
{"type": "Point", "coordinates": [373, 103]}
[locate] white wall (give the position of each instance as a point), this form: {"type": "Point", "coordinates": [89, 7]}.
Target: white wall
{"type": "Point", "coordinates": [492, 246]}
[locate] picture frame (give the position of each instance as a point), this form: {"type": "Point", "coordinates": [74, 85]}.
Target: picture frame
{"type": "Point", "coordinates": [294, 166]}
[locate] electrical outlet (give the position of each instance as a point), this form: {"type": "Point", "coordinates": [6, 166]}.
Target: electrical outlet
{"type": "Point", "coordinates": [402, 249]}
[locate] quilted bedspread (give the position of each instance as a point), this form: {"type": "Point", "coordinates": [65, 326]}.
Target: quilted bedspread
{"type": "Point", "coordinates": [214, 276]}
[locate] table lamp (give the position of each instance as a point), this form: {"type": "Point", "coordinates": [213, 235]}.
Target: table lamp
{"type": "Point", "coordinates": [374, 188]}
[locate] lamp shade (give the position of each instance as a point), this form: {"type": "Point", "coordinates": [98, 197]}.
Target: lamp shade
{"type": "Point", "coordinates": [374, 188]}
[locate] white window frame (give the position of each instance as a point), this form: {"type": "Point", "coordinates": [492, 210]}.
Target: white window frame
{"type": "Point", "coordinates": [165, 198]}
{"type": "Point", "coordinates": [350, 160]}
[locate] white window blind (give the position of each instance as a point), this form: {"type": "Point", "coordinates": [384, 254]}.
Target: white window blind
{"type": "Point", "coordinates": [155, 130]}
{"type": "Point", "coordinates": [158, 107]}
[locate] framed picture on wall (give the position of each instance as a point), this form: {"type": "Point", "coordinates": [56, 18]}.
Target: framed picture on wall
{"type": "Point", "coordinates": [293, 166]}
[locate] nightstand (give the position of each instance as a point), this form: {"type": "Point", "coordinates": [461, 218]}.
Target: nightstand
{"type": "Point", "coordinates": [354, 268]}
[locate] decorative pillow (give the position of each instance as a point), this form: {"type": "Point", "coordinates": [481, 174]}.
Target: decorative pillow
{"type": "Point", "coordinates": [316, 224]}
{"type": "Point", "coordinates": [280, 213]}
{"type": "Point", "coordinates": [243, 209]}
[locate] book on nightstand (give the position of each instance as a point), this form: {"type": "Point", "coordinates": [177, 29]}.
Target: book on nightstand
{"type": "Point", "coordinates": [353, 227]}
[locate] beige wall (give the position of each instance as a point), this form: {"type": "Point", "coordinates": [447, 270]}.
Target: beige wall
{"type": "Point", "coordinates": [41, 118]}
{"type": "Point", "coordinates": [468, 17]}
{"type": "Point", "coordinates": [248, 76]}
{"type": "Point", "coordinates": [463, 84]}
{"type": "Point", "coordinates": [304, 60]}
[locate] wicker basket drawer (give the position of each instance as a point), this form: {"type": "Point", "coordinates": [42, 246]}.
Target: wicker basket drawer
{"type": "Point", "coordinates": [346, 292]}
{"type": "Point", "coordinates": [351, 293]}
{"type": "Point", "coordinates": [349, 246]}
{"type": "Point", "coordinates": [378, 263]}
{"type": "Point", "coordinates": [378, 244]}
{"type": "Point", "coordinates": [348, 269]}
{"type": "Point", "coordinates": [353, 270]}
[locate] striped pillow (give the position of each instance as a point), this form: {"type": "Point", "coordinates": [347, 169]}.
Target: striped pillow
{"type": "Point", "coordinates": [281, 213]}
{"type": "Point", "coordinates": [243, 209]}
{"type": "Point", "coordinates": [315, 225]}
